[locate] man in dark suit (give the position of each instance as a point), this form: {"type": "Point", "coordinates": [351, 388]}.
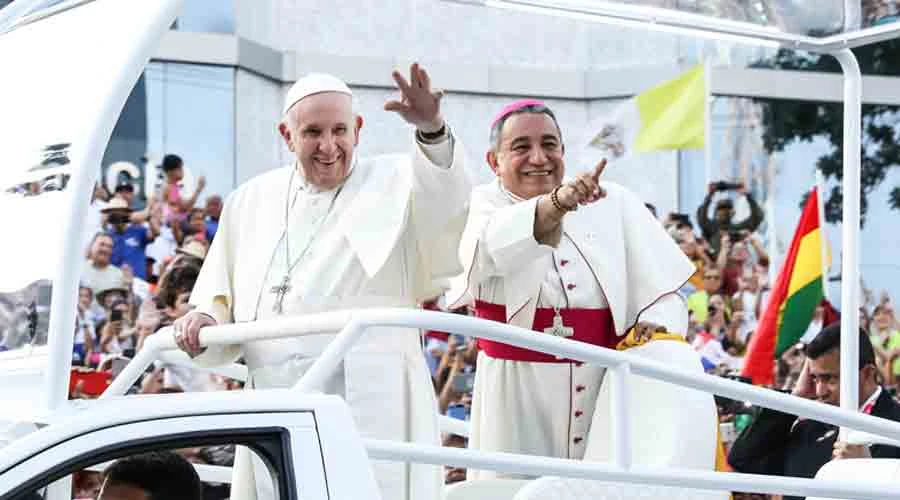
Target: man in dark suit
{"type": "Point", "coordinates": [780, 444]}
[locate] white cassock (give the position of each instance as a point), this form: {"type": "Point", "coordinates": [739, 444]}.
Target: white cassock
{"type": "Point", "coordinates": [612, 256]}
{"type": "Point", "coordinates": [387, 238]}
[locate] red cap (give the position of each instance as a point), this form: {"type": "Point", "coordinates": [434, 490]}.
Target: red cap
{"type": "Point", "coordinates": [513, 107]}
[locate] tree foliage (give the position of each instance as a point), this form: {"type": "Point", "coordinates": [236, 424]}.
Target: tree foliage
{"type": "Point", "coordinates": [787, 121]}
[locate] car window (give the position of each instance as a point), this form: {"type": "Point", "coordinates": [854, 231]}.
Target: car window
{"type": "Point", "coordinates": [157, 470]}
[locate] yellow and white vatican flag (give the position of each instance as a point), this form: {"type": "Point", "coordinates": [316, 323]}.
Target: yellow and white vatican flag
{"type": "Point", "coordinates": [669, 116]}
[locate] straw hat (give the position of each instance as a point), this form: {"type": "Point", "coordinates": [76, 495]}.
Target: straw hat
{"type": "Point", "coordinates": [117, 204]}
{"type": "Point", "coordinates": [194, 249]}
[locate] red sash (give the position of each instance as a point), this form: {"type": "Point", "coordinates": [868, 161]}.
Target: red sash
{"type": "Point", "coordinates": [592, 326]}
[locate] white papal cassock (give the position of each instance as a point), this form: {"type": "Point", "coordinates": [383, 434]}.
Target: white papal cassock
{"type": "Point", "coordinates": [614, 259]}
{"type": "Point", "coordinates": [387, 238]}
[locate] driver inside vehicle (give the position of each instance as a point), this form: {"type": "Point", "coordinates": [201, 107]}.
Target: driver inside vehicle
{"type": "Point", "coordinates": [150, 476]}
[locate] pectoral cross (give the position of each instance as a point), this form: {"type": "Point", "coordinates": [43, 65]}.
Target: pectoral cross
{"type": "Point", "coordinates": [280, 291]}
{"type": "Point", "coordinates": [559, 329]}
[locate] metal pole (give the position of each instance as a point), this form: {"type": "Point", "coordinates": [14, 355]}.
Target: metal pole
{"type": "Point", "coordinates": [852, 15]}
{"type": "Point", "coordinates": [621, 403]}
{"type": "Point", "coordinates": [64, 294]}
{"type": "Point", "coordinates": [134, 369]}
{"type": "Point", "coordinates": [501, 332]}
{"type": "Point", "coordinates": [850, 232]}
{"type": "Point", "coordinates": [646, 474]}
{"type": "Point", "coordinates": [771, 230]}
{"type": "Point", "coordinates": [85, 158]}
{"type": "Point", "coordinates": [707, 122]}
{"type": "Point", "coordinates": [331, 358]}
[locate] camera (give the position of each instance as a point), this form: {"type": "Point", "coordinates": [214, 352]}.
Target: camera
{"type": "Point", "coordinates": [726, 186]}
{"type": "Point", "coordinates": [736, 236]}
{"type": "Point", "coordinates": [116, 315]}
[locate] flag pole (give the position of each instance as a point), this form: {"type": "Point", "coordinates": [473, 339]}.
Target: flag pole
{"type": "Point", "coordinates": [771, 172]}
{"type": "Point", "coordinates": [707, 120]}
{"type": "Point", "coordinates": [820, 197]}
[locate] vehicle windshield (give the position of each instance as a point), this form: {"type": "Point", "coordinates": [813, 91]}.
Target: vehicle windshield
{"type": "Point", "coordinates": [795, 17]}
{"type": "Point", "coordinates": [14, 12]}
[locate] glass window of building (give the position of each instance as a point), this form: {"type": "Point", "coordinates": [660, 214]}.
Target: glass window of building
{"type": "Point", "coordinates": [212, 16]}
{"type": "Point", "coordinates": [184, 109]}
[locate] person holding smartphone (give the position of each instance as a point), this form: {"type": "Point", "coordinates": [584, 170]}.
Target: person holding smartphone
{"type": "Point", "coordinates": [113, 328]}
{"type": "Point", "coordinates": [723, 221]}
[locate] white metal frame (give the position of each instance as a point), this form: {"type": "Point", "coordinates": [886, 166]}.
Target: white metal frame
{"type": "Point", "coordinates": [69, 264]}
{"type": "Point", "coordinates": [353, 323]}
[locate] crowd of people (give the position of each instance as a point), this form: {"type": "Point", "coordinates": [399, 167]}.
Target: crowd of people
{"type": "Point", "coordinates": [142, 266]}
{"type": "Point", "coordinates": [726, 298]}
{"type": "Point", "coordinates": [139, 270]}
{"type": "Point", "coordinates": [728, 293]}
{"type": "Point", "coordinates": [122, 302]}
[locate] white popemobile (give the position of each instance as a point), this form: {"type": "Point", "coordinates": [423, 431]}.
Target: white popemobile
{"type": "Point", "coordinates": [68, 67]}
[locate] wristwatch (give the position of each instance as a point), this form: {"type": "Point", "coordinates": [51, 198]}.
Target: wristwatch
{"type": "Point", "coordinates": [432, 137]}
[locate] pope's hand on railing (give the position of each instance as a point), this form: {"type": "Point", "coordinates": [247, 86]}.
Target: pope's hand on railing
{"type": "Point", "coordinates": [187, 331]}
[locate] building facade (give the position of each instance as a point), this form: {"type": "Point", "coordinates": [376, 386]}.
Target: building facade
{"type": "Point", "coordinates": [213, 95]}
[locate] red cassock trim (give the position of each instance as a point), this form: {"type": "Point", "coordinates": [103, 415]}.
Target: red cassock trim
{"type": "Point", "coordinates": [592, 326]}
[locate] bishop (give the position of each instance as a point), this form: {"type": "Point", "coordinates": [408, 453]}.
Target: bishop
{"type": "Point", "coordinates": [584, 260]}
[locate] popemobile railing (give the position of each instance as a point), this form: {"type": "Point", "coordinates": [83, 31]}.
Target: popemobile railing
{"type": "Point", "coordinates": [351, 324]}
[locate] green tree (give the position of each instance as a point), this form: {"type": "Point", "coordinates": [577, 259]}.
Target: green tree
{"type": "Point", "coordinates": [787, 121]}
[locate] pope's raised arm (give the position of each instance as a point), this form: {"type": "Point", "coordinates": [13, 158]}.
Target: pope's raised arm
{"type": "Point", "coordinates": [440, 186]}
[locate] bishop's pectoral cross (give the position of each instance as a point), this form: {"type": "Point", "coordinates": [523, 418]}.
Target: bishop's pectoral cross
{"type": "Point", "coordinates": [280, 291]}
{"type": "Point", "coordinates": [558, 329]}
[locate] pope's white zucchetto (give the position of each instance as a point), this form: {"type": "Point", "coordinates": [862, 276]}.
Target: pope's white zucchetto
{"type": "Point", "coordinates": [314, 83]}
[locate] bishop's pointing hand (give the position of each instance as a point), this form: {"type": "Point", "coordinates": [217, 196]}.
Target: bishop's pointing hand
{"type": "Point", "coordinates": [583, 189]}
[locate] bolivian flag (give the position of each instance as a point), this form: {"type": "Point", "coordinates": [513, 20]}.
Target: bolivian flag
{"type": "Point", "coordinates": [797, 292]}
{"type": "Point", "coordinates": [671, 115]}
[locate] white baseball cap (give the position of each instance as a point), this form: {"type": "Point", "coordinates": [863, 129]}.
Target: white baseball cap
{"type": "Point", "coordinates": [314, 83]}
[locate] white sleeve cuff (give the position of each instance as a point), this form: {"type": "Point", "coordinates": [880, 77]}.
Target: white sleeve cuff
{"type": "Point", "coordinates": [669, 311]}
{"type": "Point", "coordinates": [439, 154]}
{"type": "Point", "coordinates": [509, 237]}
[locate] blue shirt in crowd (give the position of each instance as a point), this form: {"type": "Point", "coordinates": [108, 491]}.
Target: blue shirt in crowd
{"type": "Point", "coordinates": [211, 227]}
{"type": "Point", "coordinates": [130, 247]}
